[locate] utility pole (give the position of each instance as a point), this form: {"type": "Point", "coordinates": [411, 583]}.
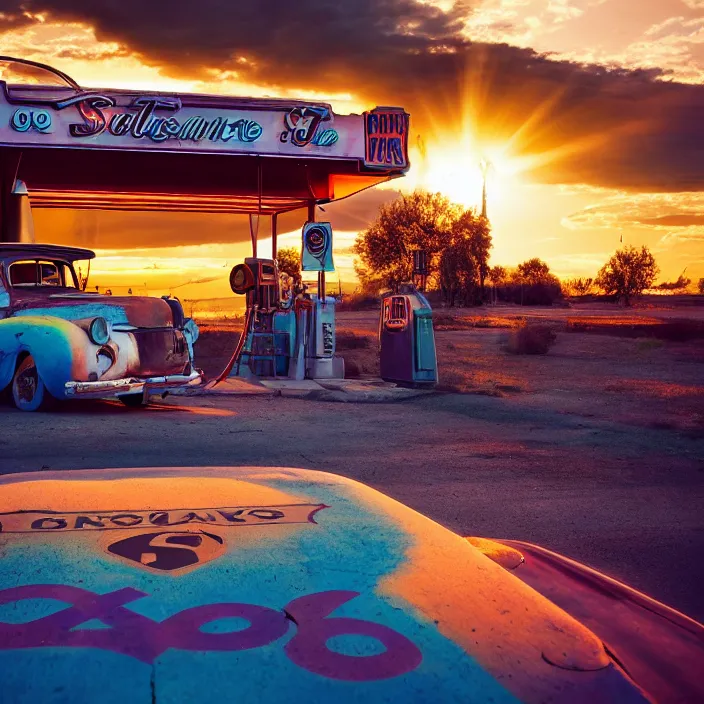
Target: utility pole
{"type": "Point", "coordinates": [484, 166]}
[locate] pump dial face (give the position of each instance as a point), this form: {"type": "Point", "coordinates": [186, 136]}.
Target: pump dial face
{"type": "Point", "coordinates": [241, 279]}
{"type": "Point", "coordinates": [315, 241]}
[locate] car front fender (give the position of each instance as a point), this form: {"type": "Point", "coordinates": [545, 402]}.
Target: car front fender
{"type": "Point", "coordinates": [50, 341]}
{"type": "Point", "coordinates": [661, 649]}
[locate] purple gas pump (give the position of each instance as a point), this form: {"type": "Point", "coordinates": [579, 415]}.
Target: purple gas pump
{"type": "Point", "coordinates": [406, 338]}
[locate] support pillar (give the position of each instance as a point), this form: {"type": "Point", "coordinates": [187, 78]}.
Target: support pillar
{"type": "Point", "coordinates": [10, 203]}
{"type": "Point", "coordinates": [321, 274]}
{"type": "Point", "coordinates": [274, 235]}
{"type": "Point", "coordinates": [253, 233]}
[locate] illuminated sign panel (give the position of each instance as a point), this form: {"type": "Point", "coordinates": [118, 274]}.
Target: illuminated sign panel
{"type": "Point", "coordinates": [386, 131]}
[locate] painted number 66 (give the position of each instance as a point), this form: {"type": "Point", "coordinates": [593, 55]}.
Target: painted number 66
{"type": "Point", "coordinates": [25, 119]}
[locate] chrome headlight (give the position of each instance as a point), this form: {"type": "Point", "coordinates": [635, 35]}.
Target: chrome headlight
{"type": "Point", "coordinates": [98, 331]}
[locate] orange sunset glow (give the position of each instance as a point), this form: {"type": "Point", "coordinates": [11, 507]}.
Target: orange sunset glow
{"type": "Point", "coordinates": [589, 113]}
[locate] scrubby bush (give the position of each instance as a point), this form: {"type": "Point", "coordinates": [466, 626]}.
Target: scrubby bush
{"type": "Point", "coordinates": [531, 339]}
{"type": "Point", "coordinates": [579, 286]}
{"type": "Point", "coordinates": [679, 286]}
{"type": "Point", "coordinates": [537, 294]}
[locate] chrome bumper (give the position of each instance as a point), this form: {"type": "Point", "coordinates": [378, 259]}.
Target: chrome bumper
{"type": "Point", "coordinates": [130, 385]}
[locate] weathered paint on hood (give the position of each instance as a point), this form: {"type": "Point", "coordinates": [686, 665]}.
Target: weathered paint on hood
{"type": "Point", "coordinates": [176, 585]}
{"type": "Point", "coordinates": [139, 311]}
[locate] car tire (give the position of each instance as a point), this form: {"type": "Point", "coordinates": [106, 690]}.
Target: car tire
{"type": "Point", "coordinates": [29, 393]}
{"type": "Point", "coordinates": [134, 400]}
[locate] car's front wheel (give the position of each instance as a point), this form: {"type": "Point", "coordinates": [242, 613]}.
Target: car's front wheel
{"type": "Point", "coordinates": [29, 392]}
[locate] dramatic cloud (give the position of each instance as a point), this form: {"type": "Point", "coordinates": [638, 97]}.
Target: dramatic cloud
{"type": "Point", "coordinates": [652, 210]}
{"type": "Point", "coordinates": [575, 123]}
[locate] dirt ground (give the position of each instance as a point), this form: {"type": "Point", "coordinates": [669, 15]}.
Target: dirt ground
{"type": "Point", "coordinates": [595, 450]}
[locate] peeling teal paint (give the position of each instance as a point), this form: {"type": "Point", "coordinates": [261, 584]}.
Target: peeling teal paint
{"type": "Point", "coordinates": [115, 315]}
{"type": "Point", "coordinates": [351, 549]}
{"type": "Point", "coordinates": [48, 340]}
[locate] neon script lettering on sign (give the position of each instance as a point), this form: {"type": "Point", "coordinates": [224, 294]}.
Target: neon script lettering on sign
{"type": "Point", "coordinates": [142, 638]}
{"type": "Point", "coordinates": [144, 123]}
{"type": "Point", "coordinates": [140, 122]}
{"type": "Point", "coordinates": [301, 128]}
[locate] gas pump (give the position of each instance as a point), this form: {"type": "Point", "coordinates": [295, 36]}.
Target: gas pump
{"type": "Point", "coordinates": [316, 255]}
{"type": "Point", "coordinates": [291, 336]}
{"type": "Point", "coordinates": [265, 345]}
{"type": "Point", "coordinates": [406, 338]}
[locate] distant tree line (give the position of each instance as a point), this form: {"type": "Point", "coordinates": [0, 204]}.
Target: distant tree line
{"type": "Point", "coordinates": [458, 244]}
{"type": "Point", "coordinates": [529, 284]}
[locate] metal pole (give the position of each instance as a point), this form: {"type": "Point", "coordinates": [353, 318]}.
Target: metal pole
{"type": "Point", "coordinates": [274, 235]}
{"type": "Point", "coordinates": [253, 234]}
{"type": "Point", "coordinates": [9, 202]}
{"type": "Point", "coordinates": [321, 274]}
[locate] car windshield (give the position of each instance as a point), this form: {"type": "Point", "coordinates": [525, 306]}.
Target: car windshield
{"type": "Point", "coordinates": [41, 273]}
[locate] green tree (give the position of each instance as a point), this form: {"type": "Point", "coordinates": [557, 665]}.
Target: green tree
{"type": "Point", "coordinates": [534, 271]}
{"type": "Point", "coordinates": [497, 275]}
{"type": "Point", "coordinates": [628, 273]}
{"type": "Point", "coordinates": [532, 283]}
{"type": "Point", "coordinates": [459, 273]}
{"type": "Point", "coordinates": [473, 230]}
{"type": "Point", "coordinates": [456, 239]}
{"type": "Point", "coordinates": [464, 262]}
{"type": "Point", "coordinates": [289, 261]}
{"type": "Point", "coordinates": [420, 220]}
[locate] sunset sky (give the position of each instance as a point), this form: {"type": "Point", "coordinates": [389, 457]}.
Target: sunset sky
{"type": "Point", "coordinates": [591, 112]}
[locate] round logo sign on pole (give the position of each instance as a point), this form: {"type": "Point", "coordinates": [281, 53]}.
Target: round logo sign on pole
{"type": "Point", "coordinates": [316, 254]}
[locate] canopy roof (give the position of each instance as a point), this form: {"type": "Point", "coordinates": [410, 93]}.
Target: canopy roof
{"type": "Point", "coordinates": [69, 254]}
{"type": "Point", "coordinates": [127, 150]}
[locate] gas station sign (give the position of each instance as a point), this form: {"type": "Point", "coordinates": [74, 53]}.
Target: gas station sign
{"type": "Point", "coordinates": [121, 120]}
{"type": "Point", "coordinates": [386, 131]}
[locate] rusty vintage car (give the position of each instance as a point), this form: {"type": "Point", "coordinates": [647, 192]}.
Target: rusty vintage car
{"type": "Point", "coordinates": [58, 341]}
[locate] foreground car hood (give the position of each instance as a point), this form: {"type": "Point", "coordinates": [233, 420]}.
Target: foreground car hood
{"type": "Point", "coordinates": [176, 585]}
{"type": "Point", "coordinates": [138, 311]}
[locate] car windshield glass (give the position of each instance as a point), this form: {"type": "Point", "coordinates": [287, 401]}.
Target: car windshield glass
{"type": "Point", "coordinates": [41, 273]}
{"type": "Point", "coordinates": [49, 275]}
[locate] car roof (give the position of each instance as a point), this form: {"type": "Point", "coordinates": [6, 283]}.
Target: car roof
{"type": "Point", "coordinates": [12, 249]}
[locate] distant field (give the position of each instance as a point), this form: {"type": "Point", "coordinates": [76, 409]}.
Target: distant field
{"type": "Point", "coordinates": [222, 309]}
{"type": "Point", "coordinates": [641, 364]}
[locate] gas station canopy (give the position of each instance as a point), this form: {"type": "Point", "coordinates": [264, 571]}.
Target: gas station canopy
{"type": "Point", "coordinates": [125, 150]}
